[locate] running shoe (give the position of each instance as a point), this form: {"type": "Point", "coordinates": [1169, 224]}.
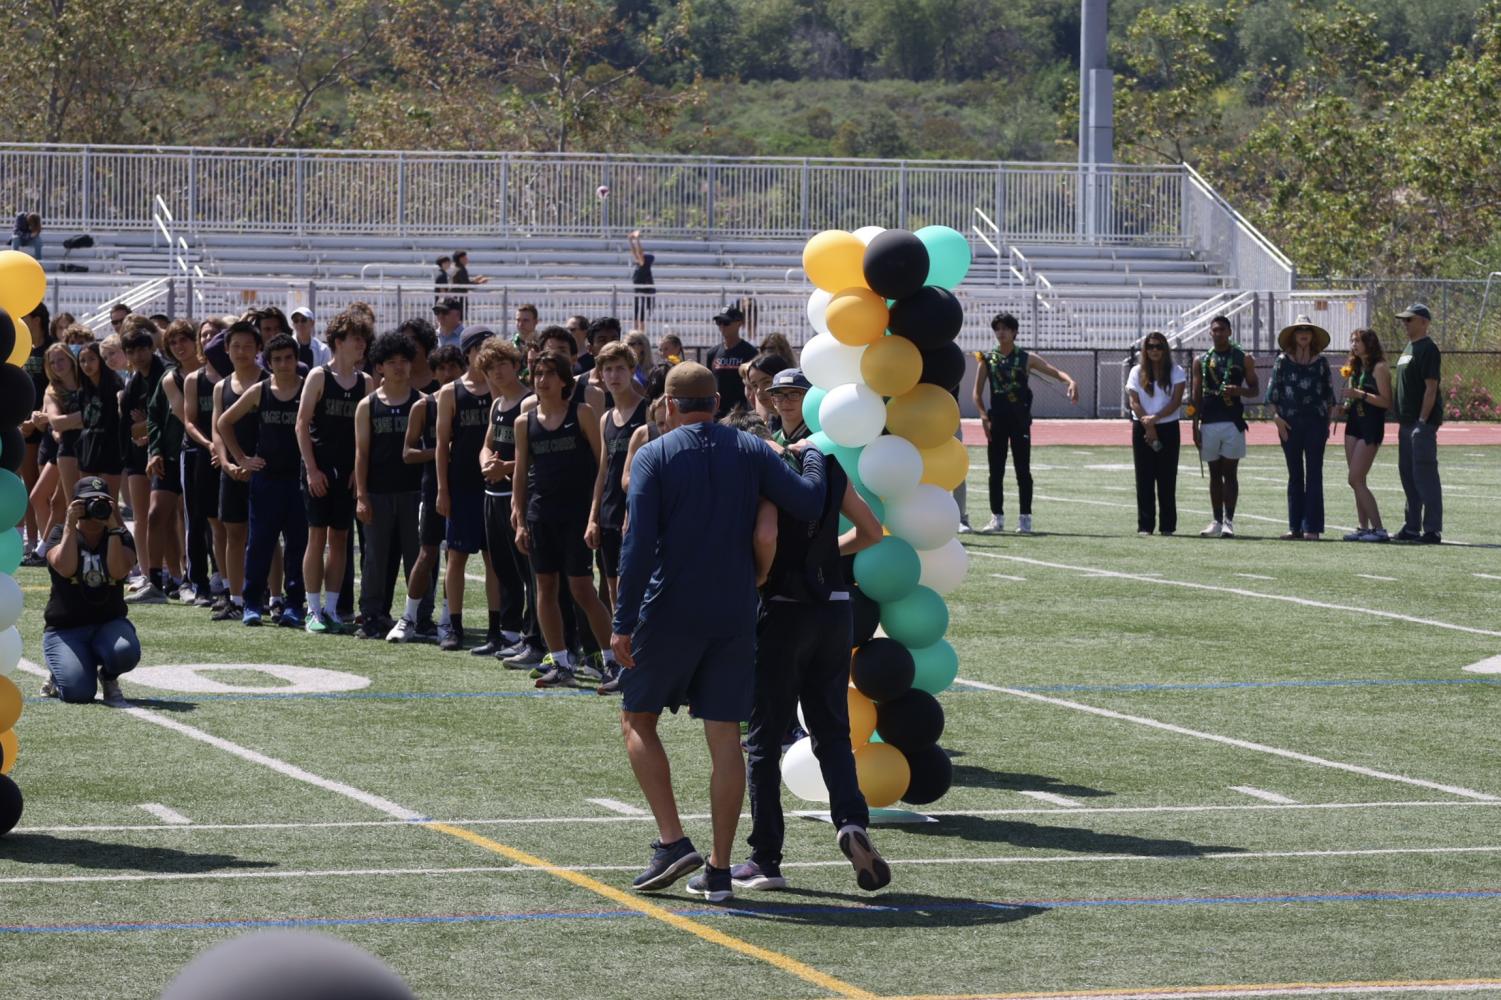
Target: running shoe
{"type": "Point", "coordinates": [202, 600]}
{"type": "Point", "coordinates": [669, 862]}
{"type": "Point", "coordinates": [1353, 536]}
{"type": "Point", "coordinates": [714, 884]}
{"type": "Point", "coordinates": [322, 623]}
{"type": "Point", "coordinates": [529, 658]}
{"type": "Point", "coordinates": [251, 618]}
{"type": "Point", "coordinates": [1229, 531]}
{"type": "Point", "coordinates": [290, 617]}
{"type": "Point", "coordinates": [751, 875]}
{"type": "Point", "coordinates": [964, 528]}
{"type": "Point", "coordinates": [611, 683]}
{"type": "Point", "coordinates": [228, 613]}
{"type": "Point", "coordinates": [1377, 535]}
{"type": "Point", "coordinates": [149, 594]}
{"type": "Point", "coordinates": [493, 644]}
{"type": "Point", "coordinates": [1215, 530]}
{"type": "Point", "coordinates": [995, 525]}
{"type": "Point", "coordinates": [427, 631]}
{"type": "Point", "coordinates": [405, 630]}
{"type": "Point", "coordinates": [592, 667]}
{"type": "Point", "coordinates": [554, 674]}
{"type": "Point", "coordinates": [33, 559]}
{"type": "Point", "coordinates": [1024, 524]}
{"type": "Point", "coordinates": [1431, 538]}
{"type": "Point", "coordinates": [1407, 535]}
{"type": "Point", "coordinates": [449, 640]}
{"type": "Point", "coordinates": [871, 870]}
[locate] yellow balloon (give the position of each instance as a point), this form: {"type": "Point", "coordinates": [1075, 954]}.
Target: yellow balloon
{"type": "Point", "coordinates": [9, 747]}
{"type": "Point", "coordinates": [946, 465]}
{"type": "Point", "coordinates": [925, 416]}
{"type": "Point", "coordinates": [22, 351]}
{"type": "Point", "coordinates": [23, 282]}
{"type": "Point", "coordinates": [891, 366]}
{"type": "Point", "coordinates": [862, 717]}
{"type": "Point", "coordinates": [883, 773]}
{"type": "Point", "coordinates": [857, 316]}
{"type": "Point", "coordinates": [10, 703]}
{"type": "Point", "coordinates": [835, 260]}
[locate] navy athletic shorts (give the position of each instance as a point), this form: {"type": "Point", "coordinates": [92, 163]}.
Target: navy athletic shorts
{"type": "Point", "coordinates": [714, 677]}
{"type": "Point", "coordinates": [466, 521]}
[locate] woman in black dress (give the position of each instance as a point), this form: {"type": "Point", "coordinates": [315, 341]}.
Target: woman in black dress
{"type": "Point", "coordinates": [99, 407]}
{"type": "Point", "coordinates": [1368, 396]}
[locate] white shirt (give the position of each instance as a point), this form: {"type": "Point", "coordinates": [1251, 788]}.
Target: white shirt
{"type": "Point", "coordinates": [321, 353]}
{"type": "Point", "coordinates": [1152, 397]}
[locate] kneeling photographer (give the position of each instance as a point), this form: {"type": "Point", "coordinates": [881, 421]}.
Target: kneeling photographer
{"type": "Point", "coordinates": [88, 636]}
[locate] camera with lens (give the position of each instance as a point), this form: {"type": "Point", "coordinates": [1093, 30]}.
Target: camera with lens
{"type": "Point", "coordinates": [97, 509]}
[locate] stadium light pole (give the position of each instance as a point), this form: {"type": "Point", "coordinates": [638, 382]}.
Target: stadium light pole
{"type": "Point", "coordinates": [1096, 114]}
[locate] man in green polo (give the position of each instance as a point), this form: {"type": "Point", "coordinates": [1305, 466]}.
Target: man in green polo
{"type": "Point", "coordinates": [1420, 409]}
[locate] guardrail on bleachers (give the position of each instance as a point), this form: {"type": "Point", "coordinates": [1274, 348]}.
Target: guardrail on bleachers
{"type": "Point", "coordinates": [1249, 259]}
{"type": "Point", "coordinates": [431, 193]}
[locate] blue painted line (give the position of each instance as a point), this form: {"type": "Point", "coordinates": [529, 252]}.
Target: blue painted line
{"type": "Point", "coordinates": [779, 910]}
{"type": "Point", "coordinates": [1233, 685]}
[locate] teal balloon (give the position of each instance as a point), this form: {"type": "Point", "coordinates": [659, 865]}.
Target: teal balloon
{"type": "Point", "coordinates": [10, 550]}
{"type": "Point", "coordinates": [822, 442]}
{"type": "Point", "coordinates": [917, 620]}
{"type": "Point", "coordinates": [811, 401]}
{"type": "Point", "coordinates": [937, 667]}
{"type": "Point", "coordinates": [12, 499]}
{"type": "Point", "coordinates": [948, 255]}
{"type": "Point", "coordinates": [849, 461]}
{"type": "Point", "coordinates": [874, 502]}
{"type": "Point", "coordinates": [888, 570]}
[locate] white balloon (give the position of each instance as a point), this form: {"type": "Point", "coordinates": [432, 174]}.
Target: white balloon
{"type": "Point", "coordinates": [828, 363]}
{"type": "Point", "coordinates": [926, 518]}
{"type": "Point", "coordinates": [818, 305]}
{"type": "Point", "coordinates": [10, 648]}
{"type": "Point", "coordinates": [867, 233]}
{"type": "Point", "coordinates": [943, 568]}
{"type": "Point", "coordinates": [891, 466]}
{"type": "Point", "coordinates": [10, 601]}
{"type": "Point", "coordinates": [801, 772]}
{"type": "Point", "coordinates": [852, 415]}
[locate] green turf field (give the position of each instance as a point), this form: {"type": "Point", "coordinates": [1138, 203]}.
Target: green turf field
{"type": "Point", "coordinates": [1181, 763]}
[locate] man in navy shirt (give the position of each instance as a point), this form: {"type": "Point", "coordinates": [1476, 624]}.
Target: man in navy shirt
{"type": "Point", "coordinates": [685, 618]}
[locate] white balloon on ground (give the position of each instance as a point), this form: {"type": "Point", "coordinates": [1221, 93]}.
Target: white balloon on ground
{"type": "Point", "coordinates": [943, 568]}
{"type": "Point", "coordinates": [852, 415]}
{"type": "Point", "coordinates": [10, 601]}
{"type": "Point", "coordinates": [801, 772]}
{"type": "Point", "coordinates": [867, 233]}
{"type": "Point", "coordinates": [926, 518]}
{"type": "Point", "coordinates": [10, 648]}
{"type": "Point", "coordinates": [828, 363]}
{"type": "Point", "coordinates": [891, 467]}
{"type": "Point", "coordinates": [818, 305]}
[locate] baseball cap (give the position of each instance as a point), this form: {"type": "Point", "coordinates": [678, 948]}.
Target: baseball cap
{"type": "Point", "coordinates": [1416, 309]}
{"type": "Point", "coordinates": [90, 487]}
{"type": "Point", "coordinates": [451, 304]}
{"type": "Point", "coordinates": [691, 380]}
{"type": "Point", "coordinates": [304, 312]}
{"type": "Point", "coordinates": [790, 378]}
{"type": "Point", "coordinates": [474, 336]}
{"type": "Point", "coordinates": [729, 314]}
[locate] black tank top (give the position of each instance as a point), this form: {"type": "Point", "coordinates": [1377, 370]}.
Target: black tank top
{"type": "Point", "coordinates": [333, 424]}
{"type": "Point", "coordinates": [276, 432]}
{"type": "Point", "coordinates": [807, 566]}
{"type": "Point", "coordinates": [471, 422]}
{"type": "Point", "coordinates": [245, 430]}
{"type": "Point", "coordinates": [580, 393]}
{"type": "Point", "coordinates": [428, 439]}
{"type": "Point", "coordinates": [616, 441]}
{"type": "Point", "coordinates": [560, 481]}
{"type": "Point", "coordinates": [71, 403]}
{"type": "Point", "coordinates": [36, 363]}
{"type": "Point", "coordinates": [203, 416]}
{"type": "Point", "coordinates": [388, 435]}
{"type": "Point", "coordinates": [503, 443]}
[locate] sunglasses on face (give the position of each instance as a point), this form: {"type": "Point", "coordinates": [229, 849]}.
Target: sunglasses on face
{"type": "Point", "coordinates": [1156, 347]}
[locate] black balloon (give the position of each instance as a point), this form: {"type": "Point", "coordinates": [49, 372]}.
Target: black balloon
{"type": "Point", "coordinates": [932, 775]}
{"type": "Point", "coordinates": [17, 396]}
{"type": "Point", "coordinates": [12, 448]}
{"type": "Point", "coordinates": [910, 722]}
{"type": "Point", "coordinates": [896, 264]}
{"type": "Point", "coordinates": [944, 366]}
{"type": "Point", "coordinates": [11, 804]}
{"type": "Point", "coordinates": [8, 333]}
{"type": "Point", "coordinates": [867, 614]}
{"type": "Point", "coordinates": [930, 317]}
{"type": "Point", "coordinates": [287, 965]}
{"type": "Point", "coordinates": [882, 669]}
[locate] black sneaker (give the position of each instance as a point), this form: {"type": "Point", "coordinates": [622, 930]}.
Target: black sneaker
{"type": "Point", "coordinates": [32, 559]}
{"type": "Point", "coordinates": [1406, 535]}
{"type": "Point", "coordinates": [1431, 538]}
{"type": "Point", "coordinates": [752, 875]}
{"type": "Point", "coordinates": [372, 628]}
{"type": "Point", "coordinates": [611, 684]}
{"type": "Point", "coordinates": [493, 644]}
{"type": "Point", "coordinates": [714, 884]}
{"type": "Point", "coordinates": [203, 600]}
{"type": "Point", "coordinates": [669, 862]}
{"type": "Point", "coordinates": [871, 870]}
{"type": "Point", "coordinates": [427, 631]}
{"type": "Point", "coordinates": [231, 612]}
{"type": "Point", "coordinates": [449, 640]}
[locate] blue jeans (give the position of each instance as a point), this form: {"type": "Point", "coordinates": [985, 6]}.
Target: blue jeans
{"type": "Point", "coordinates": [276, 510]}
{"type": "Point", "coordinates": [1304, 451]}
{"type": "Point", "coordinates": [77, 656]}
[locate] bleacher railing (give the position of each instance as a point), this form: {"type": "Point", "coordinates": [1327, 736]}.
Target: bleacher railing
{"type": "Point", "coordinates": [1250, 261]}
{"type": "Point", "coordinates": [312, 191]}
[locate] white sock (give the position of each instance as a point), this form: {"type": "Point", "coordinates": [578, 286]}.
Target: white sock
{"type": "Point", "coordinates": [561, 658]}
{"type": "Point", "coordinates": [331, 602]}
{"type": "Point", "coordinates": [238, 600]}
{"type": "Point", "coordinates": [314, 603]}
{"type": "Point", "coordinates": [42, 547]}
{"type": "Point", "coordinates": [413, 604]}
{"type": "Point", "coordinates": [443, 616]}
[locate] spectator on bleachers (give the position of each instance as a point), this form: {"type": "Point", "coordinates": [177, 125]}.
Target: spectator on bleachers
{"type": "Point", "coordinates": [449, 313]}
{"type": "Point", "coordinates": [117, 314]}
{"type": "Point", "coordinates": [27, 236]}
{"type": "Point", "coordinates": [778, 344]}
{"type": "Point", "coordinates": [725, 359]}
{"type": "Point", "coordinates": [461, 275]}
{"type": "Point", "coordinates": [60, 324]}
{"type": "Point", "coordinates": [641, 278]}
{"type": "Point", "coordinates": [443, 278]}
{"type": "Point", "coordinates": [311, 351]}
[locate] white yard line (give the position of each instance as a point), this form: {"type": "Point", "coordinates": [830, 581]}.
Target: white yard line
{"type": "Point", "coordinates": [1046, 859]}
{"type": "Point", "coordinates": [1373, 576]}
{"type": "Point", "coordinates": [573, 820]}
{"type": "Point", "coordinates": [1255, 576]}
{"type": "Point", "coordinates": [1369, 772]}
{"type": "Point", "coordinates": [615, 805]}
{"type": "Point", "coordinates": [1007, 576]}
{"type": "Point", "coordinates": [1057, 800]}
{"type": "Point", "coordinates": [164, 814]}
{"type": "Point", "coordinates": [1241, 592]}
{"type": "Point", "coordinates": [1264, 795]}
{"type": "Point", "coordinates": [1486, 576]}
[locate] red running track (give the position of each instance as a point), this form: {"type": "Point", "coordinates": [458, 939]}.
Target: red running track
{"type": "Point", "coordinates": [1091, 433]}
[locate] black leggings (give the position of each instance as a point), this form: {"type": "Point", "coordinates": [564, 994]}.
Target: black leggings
{"type": "Point", "coordinates": [1016, 436]}
{"type": "Point", "coordinates": [1156, 477]}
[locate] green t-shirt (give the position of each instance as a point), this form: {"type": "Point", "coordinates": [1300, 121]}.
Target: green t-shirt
{"type": "Point", "coordinates": [1419, 362]}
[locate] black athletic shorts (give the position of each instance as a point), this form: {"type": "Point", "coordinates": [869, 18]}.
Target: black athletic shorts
{"type": "Point", "coordinates": [431, 527]}
{"type": "Point", "coordinates": [170, 481]}
{"type": "Point", "coordinates": [46, 452]}
{"type": "Point", "coordinates": [559, 547]}
{"type": "Point", "coordinates": [466, 521]}
{"type": "Point", "coordinates": [135, 460]}
{"type": "Point", "coordinates": [234, 500]}
{"type": "Point", "coordinates": [610, 540]}
{"type": "Point", "coordinates": [335, 508]}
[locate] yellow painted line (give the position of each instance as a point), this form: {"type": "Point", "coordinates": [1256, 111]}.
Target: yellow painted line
{"type": "Point", "coordinates": [1229, 990]}
{"type": "Point", "coordinates": [641, 905]}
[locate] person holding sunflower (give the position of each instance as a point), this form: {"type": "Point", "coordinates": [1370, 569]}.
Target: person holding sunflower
{"type": "Point", "coordinates": [1222, 377]}
{"type": "Point", "coordinates": [1302, 399]}
{"type": "Point", "coordinates": [1368, 397]}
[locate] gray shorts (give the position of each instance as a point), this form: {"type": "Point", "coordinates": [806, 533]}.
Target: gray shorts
{"type": "Point", "coordinates": [1221, 440]}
